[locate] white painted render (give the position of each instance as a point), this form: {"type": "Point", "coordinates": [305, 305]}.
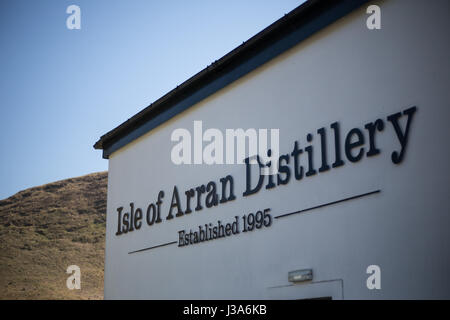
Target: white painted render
{"type": "Point", "coordinates": [344, 73]}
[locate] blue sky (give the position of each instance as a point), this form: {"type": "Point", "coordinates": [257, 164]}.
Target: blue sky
{"type": "Point", "coordinates": [62, 89]}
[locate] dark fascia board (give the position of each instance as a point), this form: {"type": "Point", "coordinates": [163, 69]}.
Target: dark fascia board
{"type": "Point", "coordinates": [294, 27]}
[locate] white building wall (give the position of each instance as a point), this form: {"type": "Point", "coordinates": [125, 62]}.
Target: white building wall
{"type": "Point", "coordinates": [344, 73]}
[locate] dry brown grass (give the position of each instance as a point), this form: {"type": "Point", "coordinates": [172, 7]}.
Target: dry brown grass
{"type": "Point", "coordinates": [45, 229]}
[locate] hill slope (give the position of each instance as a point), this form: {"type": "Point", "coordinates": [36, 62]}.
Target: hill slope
{"type": "Point", "coordinates": [45, 229]}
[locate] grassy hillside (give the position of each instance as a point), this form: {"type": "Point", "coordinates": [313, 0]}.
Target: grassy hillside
{"type": "Point", "coordinates": [45, 229]}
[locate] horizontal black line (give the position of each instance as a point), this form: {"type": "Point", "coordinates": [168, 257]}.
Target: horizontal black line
{"type": "Point", "coordinates": [328, 204]}
{"type": "Point", "coordinates": [280, 216]}
{"type": "Point", "coordinates": [160, 245]}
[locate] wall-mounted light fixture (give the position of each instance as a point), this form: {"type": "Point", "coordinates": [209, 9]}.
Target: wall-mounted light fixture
{"type": "Point", "coordinates": [300, 275]}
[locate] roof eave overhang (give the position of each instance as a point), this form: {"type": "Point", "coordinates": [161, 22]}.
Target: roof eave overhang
{"type": "Point", "coordinates": [283, 34]}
